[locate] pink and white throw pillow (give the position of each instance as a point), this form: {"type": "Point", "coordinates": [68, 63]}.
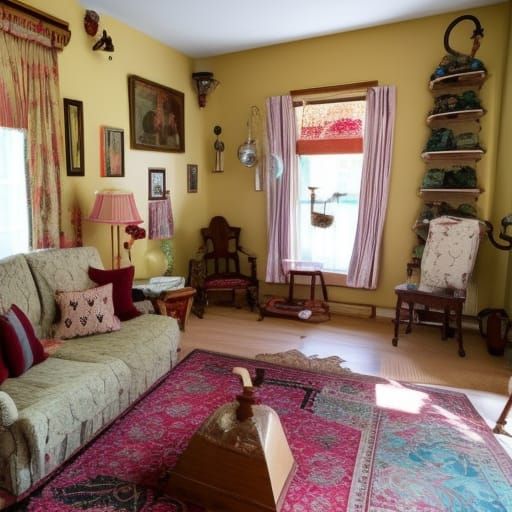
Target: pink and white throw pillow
{"type": "Point", "coordinates": [86, 312]}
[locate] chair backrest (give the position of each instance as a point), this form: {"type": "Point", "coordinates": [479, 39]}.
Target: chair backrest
{"type": "Point", "coordinates": [450, 253]}
{"type": "Point", "coordinates": [221, 243]}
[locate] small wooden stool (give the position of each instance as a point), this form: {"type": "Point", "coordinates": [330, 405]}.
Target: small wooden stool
{"type": "Point", "coordinates": [313, 274]}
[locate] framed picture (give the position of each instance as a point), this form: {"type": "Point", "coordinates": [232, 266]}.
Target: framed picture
{"type": "Point", "coordinates": [112, 152]}
{"type": "Point", "coordinates": [192, 177]}
{"type": "Point", "coordinates": [157, 116]}
{"type": "Point", "coordinates": [156, 184]}
{"type": "Point", "coordinates": [74, 128]}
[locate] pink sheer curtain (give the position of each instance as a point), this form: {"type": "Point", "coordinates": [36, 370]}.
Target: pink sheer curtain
{"type": "Point", "coordinates": [30, 100]}
{"type": "Point", "coordinates": [281, 186]}
{"type": "Point", "coordinates": [364, 265]}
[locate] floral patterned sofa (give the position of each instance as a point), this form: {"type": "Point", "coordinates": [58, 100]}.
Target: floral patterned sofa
{"type": "Point", "coordinates": [57, 406]}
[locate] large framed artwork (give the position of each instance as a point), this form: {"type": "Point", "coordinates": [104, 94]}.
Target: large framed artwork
{"type": "Point", "coordinates": [157, 116]}
{"type": "Point", "coordinates": [112, 152]}
{"type": "Point", "coordinates": [74, 127]}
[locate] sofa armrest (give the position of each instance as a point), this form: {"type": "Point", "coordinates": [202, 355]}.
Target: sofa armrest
{"type": "Point", "coordinates": [8, 410]}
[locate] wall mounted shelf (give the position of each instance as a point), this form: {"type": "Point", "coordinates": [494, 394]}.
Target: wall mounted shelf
{"type": "Point", "coordinates": [461, 155]}
{"type": "Point", "coordinates": [457, 116]}
{"type": "Point", "coordinates": [449, 195]}
{"type": "Point", "coordinates": [473, 79]}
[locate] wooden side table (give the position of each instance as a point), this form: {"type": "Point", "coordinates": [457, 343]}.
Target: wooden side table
{"type": "Point", "coordinates": [176, 303]}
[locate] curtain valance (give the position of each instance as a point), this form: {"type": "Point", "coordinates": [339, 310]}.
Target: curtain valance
{"type": "Point", "coordinates": [27, 23]}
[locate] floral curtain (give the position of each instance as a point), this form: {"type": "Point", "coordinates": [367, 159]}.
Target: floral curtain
{"type": "Point", "coordinates": [363, 271]}
{"type": "Point", "coordinates": [30, 100]}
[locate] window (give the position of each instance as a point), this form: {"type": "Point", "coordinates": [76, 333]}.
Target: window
{"type": "Point", "coordinates": [330, 149]}
{"type": "Point", "coordinates": [14, 207]}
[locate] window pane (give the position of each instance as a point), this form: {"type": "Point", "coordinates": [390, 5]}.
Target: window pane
{"type": "Point", "coordinates": [14, 228]}
{"type": "Point", "coordinates": [330, 173]}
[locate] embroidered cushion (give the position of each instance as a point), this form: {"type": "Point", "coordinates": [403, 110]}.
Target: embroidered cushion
{"type": "Point", "coordinates": [226, 282]}
{"type": "Point", "coordinates": [450, 253]}
{"type": "Point", "coordinates": [122, 281]}
{"type": "Point", "coordinates": [86, 312]}
{"type": "Point", "coordinates": [19, 343]}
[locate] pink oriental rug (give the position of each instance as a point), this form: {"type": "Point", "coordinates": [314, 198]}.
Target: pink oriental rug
{"type": "Point", "coordinates": [361, 444]}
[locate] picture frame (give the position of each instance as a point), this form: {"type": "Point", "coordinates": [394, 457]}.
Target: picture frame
{"type": "Point", "coordinates": [156, 184]}
{"type": "Point", "coordinates": [74, 137]}
{"type": "Point", "coordinates": [112, 152]}
{"type": "Point", "coordinates": [192, 178]}
{"type": "Point", "coordinates": [157, 116]}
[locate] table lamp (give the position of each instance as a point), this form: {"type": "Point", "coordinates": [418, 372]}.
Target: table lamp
{"type": "Point", "coordinates": [115, 207]}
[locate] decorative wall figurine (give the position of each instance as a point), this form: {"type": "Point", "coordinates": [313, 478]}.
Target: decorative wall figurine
{"type": "Point", "coordinates": [219, 150]}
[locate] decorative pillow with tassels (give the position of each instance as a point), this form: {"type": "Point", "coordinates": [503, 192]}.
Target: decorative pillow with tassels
{"type": "Point", "coordinates": [86, 312]}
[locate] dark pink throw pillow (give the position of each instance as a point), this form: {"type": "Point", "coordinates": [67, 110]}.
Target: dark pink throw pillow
{"type": "Point", "coordinates": [122, 281]}
{"type": "Point", "coordinates": [4, 371]}
{"type": "Point", "coordinates": [20, 345]}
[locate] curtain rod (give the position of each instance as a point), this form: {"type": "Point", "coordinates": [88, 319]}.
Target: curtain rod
{"type": "Point", "coordinates": [334, 88]}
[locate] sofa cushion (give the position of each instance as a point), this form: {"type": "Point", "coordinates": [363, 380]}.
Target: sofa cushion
{"type": "Point", "coordinates": [18, 287]}
{"type": "Point", "coordinates": [147, 345]}
{"type": "Point", "coordinates": [122, 281]}
{"type": "Point", "coordinates": [19, 343]}
{"type": "Point", "coordinates": [60, 270]}
{"type": "Point", "coordinates": [86, 312]}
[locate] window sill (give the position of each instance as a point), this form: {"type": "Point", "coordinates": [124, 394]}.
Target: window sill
{"type": "Point", "coordinates": [335, 279]}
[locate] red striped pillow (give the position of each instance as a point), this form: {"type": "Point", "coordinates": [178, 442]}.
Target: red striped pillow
{"type": "Point", "coordinates": [19, 342]}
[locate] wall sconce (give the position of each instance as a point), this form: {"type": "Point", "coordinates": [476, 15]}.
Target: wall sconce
{"type": "Point", "coordinates": [205, 84]}
{"type": "Point", "coordinates": [105, 43]}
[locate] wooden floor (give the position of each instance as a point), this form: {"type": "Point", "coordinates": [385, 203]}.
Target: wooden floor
{"type": "Point", "coordinates": [365, 345]}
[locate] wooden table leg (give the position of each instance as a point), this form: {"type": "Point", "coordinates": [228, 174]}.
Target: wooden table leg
{"type": "Point", "coordinates": [312, 286]}
{"type": "Point", "coordinates": [411, 314]}
{"type": "Point", "coordinates": [324, 288]}
{"type": "Point", "coordinates": [290, 287]}
{"type": "Point", "coordinates": [444, 327]}
{"type": "Point", "coordinates": [502, 420]}
{"type": "Point", "coordinates": [397, 320]}
{"type": "Point", "coordinates": [462, 352]}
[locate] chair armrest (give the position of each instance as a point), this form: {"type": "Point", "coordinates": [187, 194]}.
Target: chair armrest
{"type": "Point", "coordinates": [249, 254]}
{"type": "Point", "coordinates": [252, 261]}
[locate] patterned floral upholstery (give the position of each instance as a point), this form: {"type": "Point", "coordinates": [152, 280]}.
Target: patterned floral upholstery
{"type": "Point", "coordinates": [224, 282]}
{"type": "Point", "coordinates": [450, 253]}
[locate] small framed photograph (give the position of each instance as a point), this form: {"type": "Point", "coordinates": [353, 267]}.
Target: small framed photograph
{"type": "Point", "coordinates": [192, 177]}
{"type": "Point", "coordinates": [112, 152]}
{"type": "Point", "coordinates": [74, 128]}
{"type": "Point", "coordinates": [156, 184]}
{"type": "Point", "coordinates": [157, 116]}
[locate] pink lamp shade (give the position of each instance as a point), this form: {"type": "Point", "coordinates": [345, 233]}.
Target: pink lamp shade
{"type": "Point", "coordinates": [115, 207]}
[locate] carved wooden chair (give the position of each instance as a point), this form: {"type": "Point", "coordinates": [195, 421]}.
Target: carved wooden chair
{"type": "Point", "coordinates": [447, 262]}
{"type": "Point", "coordinates": [217, 268]}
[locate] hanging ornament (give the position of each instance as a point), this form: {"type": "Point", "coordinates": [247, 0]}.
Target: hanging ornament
{"type": "Point", "coordinates": [248, 151]}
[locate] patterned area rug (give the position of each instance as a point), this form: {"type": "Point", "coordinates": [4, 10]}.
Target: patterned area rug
{"type": "Point", "coordinates": [361, 444]}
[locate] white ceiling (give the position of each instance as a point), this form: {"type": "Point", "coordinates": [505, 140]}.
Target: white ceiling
{"type": "Point", "coordinates": [203, 28]}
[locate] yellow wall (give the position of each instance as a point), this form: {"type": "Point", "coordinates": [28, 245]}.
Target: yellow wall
{"type": "Point", "coordinates": [404, 54]}
{"type": "Point", "coordinates": [102, 86]}
{"type": "Point", "coordinates": [502, 281]}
